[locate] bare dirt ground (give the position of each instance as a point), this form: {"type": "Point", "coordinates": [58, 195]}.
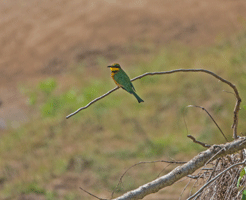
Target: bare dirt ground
{"type": "Point", "coordinates": [42, 38]}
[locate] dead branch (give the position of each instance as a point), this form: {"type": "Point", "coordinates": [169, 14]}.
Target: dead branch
{"type": "Point", "coordinates": [198, 142]}
{"type": "Point", "coordinates": [198, 161]}
{"type": "Point", "coordinates": [94, 101]}
{"type": "Point", "coordinates": [237, 105]}
{"type": "Point", "coordinates": [215, 166]}
{"type": "Point", "coordinates": [210, 118]}
{"type": "Point", "coordinates": [145, 162]}
{"type": "Point", "coordinates": [194, 176]}
{"type": "Point", "coordinates": [91, 194]}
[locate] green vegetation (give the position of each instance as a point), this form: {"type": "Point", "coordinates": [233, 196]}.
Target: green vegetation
{"type": "Point", "coordinates": [53, 156]}
{"type": "Point", "coordinates": [242, 174]}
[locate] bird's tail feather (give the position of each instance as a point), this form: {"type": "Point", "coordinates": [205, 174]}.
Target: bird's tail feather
{"type": "Point", "coordinates": [137, 97]}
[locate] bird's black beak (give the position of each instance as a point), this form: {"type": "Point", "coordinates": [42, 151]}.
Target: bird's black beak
{"type": "Point", "coordinates": [109, 66]}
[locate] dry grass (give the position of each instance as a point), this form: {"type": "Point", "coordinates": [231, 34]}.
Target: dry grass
{"type": "Point", "coordinates": [224, 187]}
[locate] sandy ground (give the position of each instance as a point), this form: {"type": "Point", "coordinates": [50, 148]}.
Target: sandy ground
{"type": "Point", "coordinates": [42, 38]}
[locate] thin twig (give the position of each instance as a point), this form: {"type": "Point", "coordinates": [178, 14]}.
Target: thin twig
{"type": "Point", "coordinates": [187, 130]}
{"type": "Point", "coordinates": [144, 162]}
{"type": "Point", "coordinates": [198, 142]}
{"type": "Point", "coordinates": [94, 101]}
{"type": "Point", "coordinates": [205, 185]}
{"type": "Point", "coordinates": [180, 196]}
{"type": "Point", "coordinates": [207, 169]}
{"type": "Point", "coordinates": [196, 182]}
{"type": "Point", "coordinates": [229, 92]}
{"type": "Point", "coordinates": [198, 196]}
{"type": "Point", "coordinates": [237, 105]}
{"type": "Point", "coordinates": [211, 118]}
{"type": "Point", "coordinates": [194, 176]}
{"type": "Point", "coordinates": [163, 170]}
{"type": "Point", "coordinates": [218, 152]}
{"type": "Point", "coordinates": [215, 166]}
{"type": "Point", "coordinates": [91, 194]}
{"type": "Point", "coordinates": [217, 161]}
{"type": "Point", "coordinates": [243, 141]}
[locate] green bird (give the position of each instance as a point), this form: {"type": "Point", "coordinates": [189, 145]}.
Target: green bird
{"type": "Point", "coordinates": [122, 80]}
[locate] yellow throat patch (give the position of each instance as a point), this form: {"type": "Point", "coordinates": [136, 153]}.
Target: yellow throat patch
{"type": "Point", "coordinates": [114, 69]}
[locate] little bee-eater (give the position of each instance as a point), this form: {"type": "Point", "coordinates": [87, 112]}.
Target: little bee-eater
{"type": "Point", "coordinates": [122, 80]}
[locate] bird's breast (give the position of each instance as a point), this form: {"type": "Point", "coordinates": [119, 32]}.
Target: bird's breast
{"type": "Point", "coordinates": [112, 75]}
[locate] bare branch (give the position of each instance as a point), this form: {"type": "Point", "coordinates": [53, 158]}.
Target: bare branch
{"type": "Point", "coordinates": [221, 149]}
{"type": "Point", "coordinates": [194, 176]}
{"type": "Point", "coordinates": [229, 92]}
{"type": "Point", "coordinates": [236, 109]}
{"type": "Point", "coordinates": [198, 142]}
{"type": "Point", "coordinates": [163, 170]}
{"type": "Point", "coordinates": [216, 164]}
{"type": "Point", "coordinates": [237, 106]}
{"type": "Point", "coordinates": [179, 172]}
{"type": "Point", "coordinates": [94, 101]}
{"type": "Point", "coordinates": [91, 194]}
{"type": "Point", "coordinates": [145, 162]}
{"type": "Point", "coordinates": [211, 118]}
{"type": "Point", "coordinates": [205, 185]}
{"type": "Point", "coordinates": [180, 196]}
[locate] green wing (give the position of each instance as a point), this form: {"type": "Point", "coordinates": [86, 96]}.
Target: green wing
{"type": "Point", "coordinates": [122, 79]}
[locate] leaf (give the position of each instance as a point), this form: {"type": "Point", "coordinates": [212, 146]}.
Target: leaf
{"type": "Point", "coordinates": [244, 195]}
{"type": "Point", "coordinates": [242, 173]}
{"type": "Point", "coordinates": [244, 106]}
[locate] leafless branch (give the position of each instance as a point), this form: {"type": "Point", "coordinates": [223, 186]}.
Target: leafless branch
{"type": "Point", "coordinates": [188, 168]}
{"type": "Point", "coordinates": [94, 101]}
{"type": "Point", "coordinates": [219, 150]}
{"type": "Point", "coordinates": [145, 162]}
{"type": "Point", "coordinates": [194, 176]}
{"type": "Point", "coordinates": [229, 92]}
{"type": "Point", "coordinates": [237, 106]}
{"type": "Point", "coordinates": [211, 118]}
{"type": "Point", "coordinates": [91, 194]}
{"type": "Point", "coordinates": [180, 196]}
{"type": "Point", "coordinates": [163, 170]}
{"type": "Point", "coordinates": [215, 166]}
{"type": "Point", "coordinates": [236, 109]}
{"type": "Point", "coordinates": [198, 142]}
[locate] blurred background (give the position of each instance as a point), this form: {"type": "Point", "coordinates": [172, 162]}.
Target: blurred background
{"type": "Point", "coordinates": [53, 60]}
